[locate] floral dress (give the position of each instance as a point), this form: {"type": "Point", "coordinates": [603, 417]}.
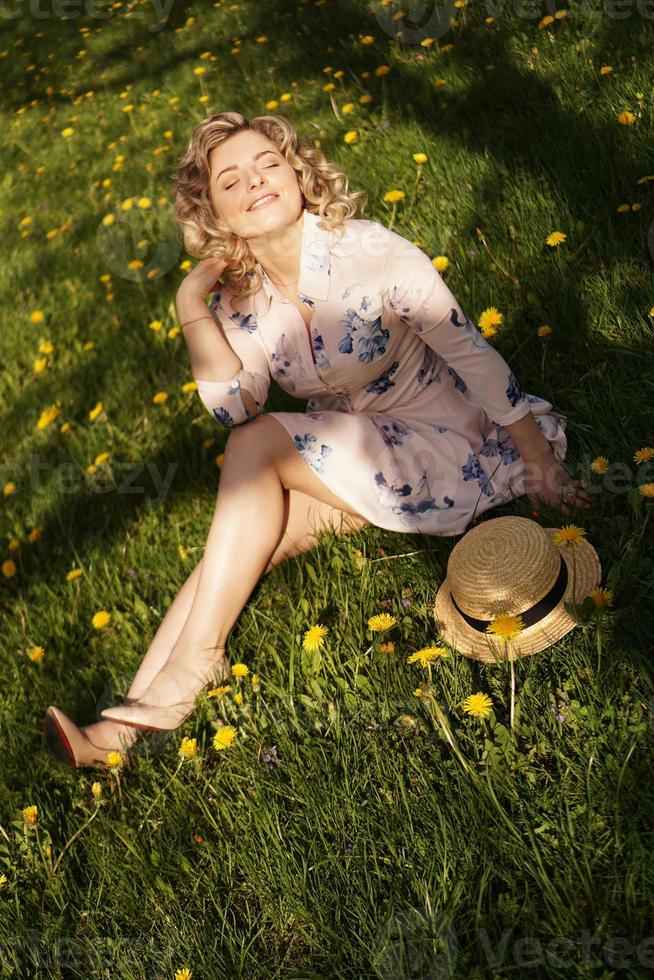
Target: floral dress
{"type": "Point", "coordinates": [406, 401]}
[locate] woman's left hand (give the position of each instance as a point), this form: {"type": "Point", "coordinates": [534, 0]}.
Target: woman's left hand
{"type": "Point", "coordinates": [550, 483]}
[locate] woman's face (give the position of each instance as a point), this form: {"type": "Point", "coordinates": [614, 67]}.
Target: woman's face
{"type": "Point", "coordinates": [245, 167]}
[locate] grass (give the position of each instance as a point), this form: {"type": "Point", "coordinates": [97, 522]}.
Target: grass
{"type": "Point", "coordinates": [353, 828]}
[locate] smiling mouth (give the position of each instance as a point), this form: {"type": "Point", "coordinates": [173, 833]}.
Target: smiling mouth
{"type": "Point", "coordinates": [266, 200]}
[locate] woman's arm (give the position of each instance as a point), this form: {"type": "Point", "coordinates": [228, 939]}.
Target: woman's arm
{"type": "Point", "coordinates": [211, 356]}
{"type": "Point", "coordinates": [213, 359]}
{"type": "Point", "coordinates": [529, 440]}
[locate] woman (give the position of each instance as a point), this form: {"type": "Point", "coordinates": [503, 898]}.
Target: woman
{"type": "Point", "coordinates": [414, 422]}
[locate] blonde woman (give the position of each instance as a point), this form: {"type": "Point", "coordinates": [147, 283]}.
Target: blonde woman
{"type": "Point", "coordinates": [413, 423]}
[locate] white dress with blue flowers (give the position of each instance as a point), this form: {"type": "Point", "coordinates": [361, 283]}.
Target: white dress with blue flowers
{"type": "Point", "coordinates": [407, 402]}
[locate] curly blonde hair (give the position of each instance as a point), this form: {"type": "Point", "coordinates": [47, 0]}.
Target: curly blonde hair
{"type": "Point", "coordinates": [323, 185]}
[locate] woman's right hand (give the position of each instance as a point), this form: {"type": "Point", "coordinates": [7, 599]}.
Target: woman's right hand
{"type": "Point", "coordinates": [203, 279]}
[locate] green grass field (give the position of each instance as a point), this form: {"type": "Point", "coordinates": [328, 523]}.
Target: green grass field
{"type": "Point", "coordinates": [361, 823]}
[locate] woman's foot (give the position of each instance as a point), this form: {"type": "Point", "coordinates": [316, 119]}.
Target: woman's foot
{"type": "Point", "coordinates": [170, 698]}
{"type": "Point", "coordinates": [86, 746]}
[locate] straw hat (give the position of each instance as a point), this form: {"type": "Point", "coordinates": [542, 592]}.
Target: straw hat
{"type": "Point", "coordinates": [511, 566]}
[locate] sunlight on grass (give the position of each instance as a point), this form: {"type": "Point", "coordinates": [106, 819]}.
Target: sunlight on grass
{"type": "Point", "coordinates": [356, 782]}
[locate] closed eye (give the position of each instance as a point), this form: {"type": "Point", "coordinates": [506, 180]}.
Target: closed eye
{"type": "Point", "coordinates": [265, 168]}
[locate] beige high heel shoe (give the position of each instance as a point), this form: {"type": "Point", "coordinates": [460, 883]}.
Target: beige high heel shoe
{"type": "Point", "coordinates": [73, 746]}
{"type": "Point", "coordinates": [193, 675]}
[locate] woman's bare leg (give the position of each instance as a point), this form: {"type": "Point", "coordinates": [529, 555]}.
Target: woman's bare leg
{"type": "Point", "coordinates": [260, 462]}
{"type": "Point", "coordinates": [304, 518]}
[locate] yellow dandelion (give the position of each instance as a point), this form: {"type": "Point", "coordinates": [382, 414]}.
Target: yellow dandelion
{"type": "Point", "coordinates": [9, 488]}
{"type": "Point", "coordinates": [224, 737]}
{"type": "Point", "coordinates": [314, 637]}
{"type": "Point", "coordinates": [100, 619]}
{"type": "Point", "coordinates": [8, 568]}
{"type": "Point", "coordinates": [73, 574]}
{"type": "Point", "coordinates": [392, 196]}
{"type": "Point", "coordinates": [114, 760]}
{"type": "Point", "coordinates": [39, 365]}
{"type": "Point", "coordinates": [626, 118]}
{"type": "Point", "coordinates": [359, 560]}
{"type": "Point", "coordinates": [14, 544]}
{"type": "Point", "coordinates": [348, 107]}
{"type": "Point", "coordinates": [601, 597]}
{"type": "Point", "coordinates": [37, 316]}
{"type": "Point", "coordinates": [489, 318]}
{"type": "Point", "coordinates": [30, 815]}
{"type": "Point", "coordinates": [440, 263]}
{"type": "Point", "coordinates": [238, 698]}
{"type": "Point", "coordinates": [189, 386]}
{"type": "Point", "coordinates": [367, 39]}
{"type": "Point", "coordinates": [217, 692]}
{"type": "Point", "coordinates": [160, 398]}
{"type": "Point", "coordinates": [96, 789]}
{"type": "Point", "coordinates": [46, 347]}
{"type": "Point", "coordinates": [93, 414]}
{"type": "Point", "coordinates": [240, 670]}
{"type": "Point", "coordinates": [183, 974]}
{"type": "Point", "coordinates": [68, 131]}
{"type": "Point", "coordinates": [36, 654]}
{"type": "Point", "coordinates": [420, 158]}
{"type": "Point", "coordinates": [544, 331]}
{"type": "Point", "coordinates": [101, 458]}
{"type": "Point", "coordinates": [3, 881]}
{"type": "Point", "coordinates": [381, 622]}
{"type": "Point", "coordinates": [272, 104]}
{"type": "Point", "coordinates": [647, 489]}
{"type": "Point", "coordinates": [382, 70]}
{"type": "Point", "coordinates": [255, 679]}
{"type": "Point", "coordinates": [478, 705]}
{"type": "Point", "coordinates": [189, 748]}
{"type": "Point", "coordinates": [181, 551]}
{"type": "Point", "coordinates": [506, 627]}
{"type": "Point", "coordinates": [570, 534]}
{"type": "Point", "coordinates": [135, 264]}
{"type": "Point", "coordinates": [34, 534]}
{"type": "Point", "coordinates": [427, 655]}
{"type": "Point", "coordinates": [643, 455]}
{"type": "Point", "coordinates": [599, 465]}
{"type": "Point", "coordinates": [48, 415]}
{"type": "Point", "coordinates": [556, 238]}
{"type": "Point", "coordinates": [366, 98]}
{"type": "Point", "coordinates": [173, 332]}
{"type": "Point", "coordinates": [351, 136]}
{"type": "Point", "coordinates": [387, 647]}
{"type": "Point", "coordinates": [155, 325]}
{"type": "Point", "coordinates": [419, 693]}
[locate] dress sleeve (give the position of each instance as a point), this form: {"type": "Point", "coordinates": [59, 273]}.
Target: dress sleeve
{"type": "Point", "coordinates": [223, 398]}
{"type": "Point", "coordinates": [415, 291]}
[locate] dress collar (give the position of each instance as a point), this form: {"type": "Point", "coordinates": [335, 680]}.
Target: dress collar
{"type": "Point", "coordinates": [314, 266]}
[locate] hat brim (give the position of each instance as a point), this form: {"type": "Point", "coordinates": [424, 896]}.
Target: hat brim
{"type": "Point", "coordinates": [480, 646]}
